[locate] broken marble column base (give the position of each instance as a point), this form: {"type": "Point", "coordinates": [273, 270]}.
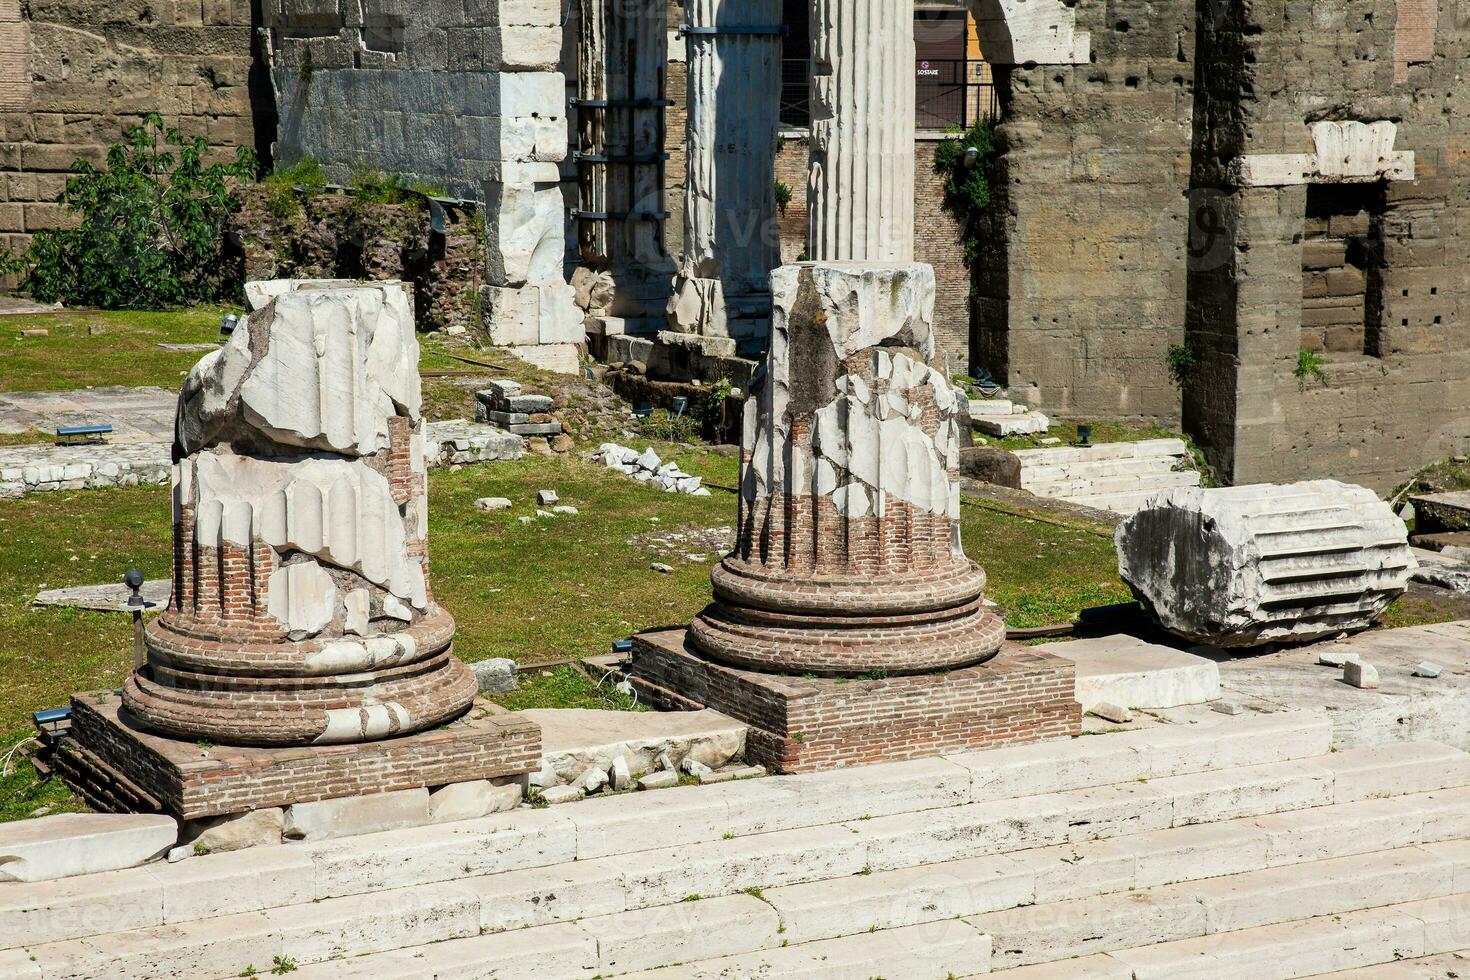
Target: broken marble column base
{"type": "Point", "coordinates": [117, 766]}
{"type": "Point", "coordinates": [810, 724]}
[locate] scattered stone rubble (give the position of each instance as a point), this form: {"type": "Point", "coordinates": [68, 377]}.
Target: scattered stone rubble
{"type": "Point", "coordinates": [687, 544]}
{"type": "Point", "coordinates": [526, 414]}
{"type": "Point", "coordinates": [646, 467]}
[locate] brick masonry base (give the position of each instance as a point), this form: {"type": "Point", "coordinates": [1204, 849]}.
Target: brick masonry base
{"type": "Point", "coordinates": [808, 724]}
{"type": "Point", "coordinates": [117, 765]}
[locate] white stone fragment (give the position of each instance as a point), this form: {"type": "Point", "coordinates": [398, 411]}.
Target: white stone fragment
{"type": "Point", "coordinates": [1336, 658]}
{"type": "Point", "coordinates": [665, 779]}
{"type": "Point", "coordinates": [1117, 714]}
{"type": "Point", "coordinates": [354, 815]}
{"type": "Point", "coordinates": [619, 775]}
{"type": "Point", "coordinates": [547, 498]}
{"type": "Point", "coordinates": [493, 503]}
{"type": "Point", "coordinates": [331, 377]}
{"type": "Point", "coordinates": [1356, 673]}
{"type": "Point", "coordinates": [562, 794]}
{"type": "Point", "coordinates": [592, 780]}
{"type": "Point", "coordinates": [471, 800]}
{"type": "Point", "coordinates": [237, 831]}
{"type": "Point", "coordinates": [302, 597]}
{"type": "Point", "coordinates": [1428, 670]}
{"type": "Point", "coordinates": [1247, 566]}
{"type": "Point", "coordinates": [71, 844]}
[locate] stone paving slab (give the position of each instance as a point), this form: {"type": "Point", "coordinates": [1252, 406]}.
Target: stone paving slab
{"type": "Point", "coordinates": [105, 598]}
{"type": "Point", "coordinates": [1403, 707]}
{"type": "Point", "coordinates": [1132, 673]}
{"type": "Point", "coordinates": [137, 415]}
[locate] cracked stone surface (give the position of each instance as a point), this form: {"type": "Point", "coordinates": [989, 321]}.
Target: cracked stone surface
{"type": "Point", "coordinates": [300, 609]}
{"type": "Point", "coordinates": [1248, 566]}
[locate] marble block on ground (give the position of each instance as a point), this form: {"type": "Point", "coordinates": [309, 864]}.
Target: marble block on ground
{"type": "Point", "coordinates": [1127, 671]}
{"type": "Point", "coordinates": [71, 844]}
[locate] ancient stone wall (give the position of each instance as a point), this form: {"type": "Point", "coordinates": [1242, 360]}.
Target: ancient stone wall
{"type": "Point", "coordinates": [76, 74]}
{"type": "Point", "coordinates": [1081, 291]}
{"type": "Point", "coordinates": [1333, 170]}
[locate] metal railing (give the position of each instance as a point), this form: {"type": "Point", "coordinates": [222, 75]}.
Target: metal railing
{"type": "Point", "coordinates": [950, 95]}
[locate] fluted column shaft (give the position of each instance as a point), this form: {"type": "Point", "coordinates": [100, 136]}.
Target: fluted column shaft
{"type": "Point", "coordinates": [860, 191]}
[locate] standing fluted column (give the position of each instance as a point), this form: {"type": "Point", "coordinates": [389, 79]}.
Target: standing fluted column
{"type": "Point", "coordinates": [848, 557]}
{"type": "Point", "coordinates": [860, 193]}
{"type": "Point", "coordinates": [731, 242]}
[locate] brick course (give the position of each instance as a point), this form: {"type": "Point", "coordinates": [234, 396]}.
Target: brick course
{"type": "Point", "coordinates": [807, 724]}
{"type": "Point", "coordinates": [191, 782]}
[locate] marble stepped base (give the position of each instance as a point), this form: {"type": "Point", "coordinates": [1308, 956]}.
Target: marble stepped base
{"type": "Point", "coordinates": [191, 780]}
{"type": "Point", "coordinates": [808, 724]}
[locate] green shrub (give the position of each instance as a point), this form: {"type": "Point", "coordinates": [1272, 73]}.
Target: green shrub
{"type": "Point", "coordinates": [967, 188]}
{"type": "Point", "coordinates": [1309, 368]}
{"type": "Point", "coordinates": [151, 227]}
{"type": "Point", "coordinates": [783, 196]}
{"type": "Point", "coordinates": [665, 426]}
{"type": "Point", "coordinates": [1182, 361]}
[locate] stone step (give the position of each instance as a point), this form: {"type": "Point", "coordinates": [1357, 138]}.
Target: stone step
{"type": "Point", "coordinates": [1119, 503]}
{"type": "Point", "coordinates": [909, 896]}
{"type": "Point", "coordinates": [385, 909]}
{"type": "Point", "coordinates": [1107, 450]}
{"type": "Point", "coordinates": [1001, 426]}
{"type": "Point", "coordinates": [1375, 943]}
{"type": "Point", "coordinates": [1083, 927]}
{"type": "Point", "coordinates": [1097, 468]}
{"type": "Point", "coordinates": [248, 881]}
{"type": "Point", "coordinates": [1108, 485]}
{"type": "Point", "coordinates": [921, 953]}
{"type": "Point", "coordinates": [1456, 964]}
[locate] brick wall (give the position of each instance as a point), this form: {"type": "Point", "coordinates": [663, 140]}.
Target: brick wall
{"type": "Point", "coordinates": [807, 724]}
{"type": "Point", "coordinates": [75, 76]}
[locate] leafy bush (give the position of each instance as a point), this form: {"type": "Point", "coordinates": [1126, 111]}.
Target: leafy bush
{"type": "Point", "coordinates": [783, 196]}
{"type": "Point", "coordinates": [1182, 361]}
{"type": "Point", "coordinates": [967, 187]}
{"type": "Point", "coordinates": [1309, 368]}
{"type": "Point", "coordinates": [151, 227]}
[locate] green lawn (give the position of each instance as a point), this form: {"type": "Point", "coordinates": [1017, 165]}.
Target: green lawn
{"type": "Point", "coordinates": [125, 352]}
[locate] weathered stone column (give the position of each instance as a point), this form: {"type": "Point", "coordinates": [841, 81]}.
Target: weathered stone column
{"type": "Point", "coordinates": [860, 193]}
{"type": "Point", "coordinates": [301, 610]}
{"type": "Point", "coordinates": [848, 559]}
{"type": "Point", "coordinates": [731, 242]}
{"type": "Point", "coordinates": [527, 302]}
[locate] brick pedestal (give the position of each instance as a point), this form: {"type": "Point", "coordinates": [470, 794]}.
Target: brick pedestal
{"type": "Point", "coordinates": [808, 724]}
{"type": "Point", "coordinates": [117, 765]}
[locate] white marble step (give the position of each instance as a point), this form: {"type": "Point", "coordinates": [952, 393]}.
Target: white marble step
{"type": "Point", "coordinates": [1098, 469]}
{"type": "Point", "coordinates": [647, 891]}
{"type": "Point", "coordinates": [909, 896]}
{"type": "Point", "coordinates": [1377, 943]}
{"type": "Point", "coordinates": [1109, 485]}
{"type": "Point", "coordinates": [613, 828]}
{"type": "Point", "coordinates": [1070, 930]}
{"type": "Point", "coordinates": [1438, 967]}
{"type": "Point", "coordinates": [1142, 449]}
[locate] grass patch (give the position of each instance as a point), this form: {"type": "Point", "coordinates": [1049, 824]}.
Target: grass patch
{"type": "Point", "coordinates": [125, 353]}
{"type": "Point", "coordinates": [565, 687]}
{"type": "Point", "coordinates": [1039, 571]}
